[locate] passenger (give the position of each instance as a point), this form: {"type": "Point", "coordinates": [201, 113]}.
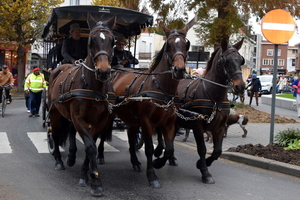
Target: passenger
{"type": "Point", "coordinates": [75, 47]}
{"type": "Point", "coordinates": [255, 87]}
{"type": "Point", "coordinates": [122, 58]}
{"type": "Point", "coordinates": [6, 79]}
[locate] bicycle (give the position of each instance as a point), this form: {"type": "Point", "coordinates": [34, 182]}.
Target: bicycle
{"type": "Point", "coordinates": [4, 100]}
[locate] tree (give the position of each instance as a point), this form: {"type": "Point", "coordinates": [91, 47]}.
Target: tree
{"type": "Point", "coordinates": [220, 18]}
{"type": "Point", "coordinates": [116, 3]}
{"type": "Point", "coordinates": [21, 23]}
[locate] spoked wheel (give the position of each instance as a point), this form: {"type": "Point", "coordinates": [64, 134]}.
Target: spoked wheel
{"type": "Point", "coordinates": [3, 105]}
{"type": "Point", "coordinates": [44, 106]}
{"type": "Point", "coordinates": [50, 142]}
{"type": "Point", "coordinates": [139, 140]}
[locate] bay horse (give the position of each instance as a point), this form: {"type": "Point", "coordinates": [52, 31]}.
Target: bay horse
{"type": "Point", "coordinates": [150, 99]}
{"type": "Point", "coordinates": [78, 97]}
{"type": "Point", "coordinates": [204, 104]}
{"type": "Point", "coordinates": [207, 96]}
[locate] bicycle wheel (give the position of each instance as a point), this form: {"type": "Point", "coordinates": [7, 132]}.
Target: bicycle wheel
{"type": "Point", "coordinates": [3, 105]}
{"type": "Point", "coordinates": [139, 140]}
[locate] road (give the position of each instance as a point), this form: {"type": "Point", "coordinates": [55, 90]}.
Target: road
{"type": "Point", "coordinates": [27, 171]}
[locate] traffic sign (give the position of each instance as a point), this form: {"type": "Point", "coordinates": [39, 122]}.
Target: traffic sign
{"type": "Point", "coordinates": [278, 26]}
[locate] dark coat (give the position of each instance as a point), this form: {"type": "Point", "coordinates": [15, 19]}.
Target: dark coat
{"type": "Point", "coordinates": [255, 85]}
{"type": "Point", "coordinates": [74, 50]}
{"type": "Point", "coordinates": [119, 56]}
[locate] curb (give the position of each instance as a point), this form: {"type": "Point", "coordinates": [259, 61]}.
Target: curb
{"type": "Point", "coordinates": [263, 163]}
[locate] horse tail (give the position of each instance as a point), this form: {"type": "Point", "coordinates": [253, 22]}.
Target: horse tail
{"type": "Point", "coordinates": [66, 128]}
{"type": "Point", "coordinates": [107, 134]}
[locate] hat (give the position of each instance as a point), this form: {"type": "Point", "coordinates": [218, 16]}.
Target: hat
{"type": "Point", "coordinates": [4, 67]}
{"type": "Point", "coordinates": [36, 69]}
{"type": "Point", "coordinates": [254, 75]}
{"type": "Point", "coordinates": [74, 26]}
{"type": "Point", "coordinates": [121, 39]}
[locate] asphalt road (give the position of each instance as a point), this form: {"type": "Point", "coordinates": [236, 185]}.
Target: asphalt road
{"type": "Point", "coordinates": [27, 171]}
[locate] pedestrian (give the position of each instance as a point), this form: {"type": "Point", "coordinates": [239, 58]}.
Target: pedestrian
{"type": "Point", "coordinates": [34, 86]}
{"type": "Point", "coordinates": [296, 85]}
{"type": "Point", "coordinates": [75, 47]}
{"type": "Point", "coordinates": [6, 83]}
{"type": "Point", "coordinates": [248, 80]}
{"type": "Point", "coordinates": [281, 83]}
{"type": "Point", "coordinates": [122, 58]}
{"type": "Point", "coordinates": [255, 87]}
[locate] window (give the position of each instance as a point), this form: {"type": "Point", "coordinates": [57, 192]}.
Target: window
{"type": "Point", "coordinates": [294, 51]}
{"type": "Point", "coordinates": [265, 62]}
{"type": "Point", "coordinates": [280, 62]}
{"type": "Point", "coordinates": [279, 52]}
{"type": "Point", "coordinates": [270, 52]}
{"type": "Point", "coordinates": [271, 62]}
{"type": "Point", "coordinates": [293, 62]}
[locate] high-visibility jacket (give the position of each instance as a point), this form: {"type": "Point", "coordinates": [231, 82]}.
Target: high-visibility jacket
{"type": "Point", "coordinates": [35, 83]}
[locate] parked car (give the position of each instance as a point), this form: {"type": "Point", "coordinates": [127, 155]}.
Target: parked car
{"type": "Point", "coordinates": [266, 82]}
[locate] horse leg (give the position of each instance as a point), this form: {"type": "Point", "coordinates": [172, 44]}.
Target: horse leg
{"type": "Point", "coordinates": [161, 146]}
{"type": "Point", "coordinates": [72, 148]}
{"type": "Point", "coordinates": [149, 151]}
{"type": "Point", "coordinates": [187, 133]}
{"type": "Point", "coordinates": [169, 134]}
{"type": "Point", "coordinates": [100, 156]}
{"type": "Point", "coordinates": [201, 149]}
{"type": "Point", "coordinates": [245, 131]}
{"type": "Point", "coordinates": [90, 160]}
{"type": "Point", "coordinates": [131, 133]}
{"type": "Point", "coordinates": [217, 140]}
{"type": "Point", "coordinates": [83, 180]}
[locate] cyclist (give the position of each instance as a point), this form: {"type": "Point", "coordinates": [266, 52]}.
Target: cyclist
{"type": "Point", "coordinates": [6, 81]}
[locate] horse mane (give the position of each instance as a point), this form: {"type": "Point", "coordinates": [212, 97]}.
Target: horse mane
{"type": "Point", "coordinates": [209, 63]}
{"type": "Point", "coordinates": [157, 58]}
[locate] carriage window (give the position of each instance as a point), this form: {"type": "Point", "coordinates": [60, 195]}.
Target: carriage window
{"type": "Point", "coordinates": [270, 52]}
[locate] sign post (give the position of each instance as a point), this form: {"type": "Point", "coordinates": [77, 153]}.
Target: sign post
{"type": "Point", "coordinates": [277, 26]}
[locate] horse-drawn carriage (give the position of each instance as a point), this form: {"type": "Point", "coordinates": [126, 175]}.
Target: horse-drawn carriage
{"type": "Point", "coordinates": [84, 97]}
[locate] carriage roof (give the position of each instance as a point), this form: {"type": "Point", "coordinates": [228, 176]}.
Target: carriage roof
{"type": "Point", "coordinates": [129, 22]}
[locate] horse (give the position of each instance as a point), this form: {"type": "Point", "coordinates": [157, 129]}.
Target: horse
{"type": "Point", "coordinates": [204, 104]}
{"type": "Point", "coordinates": [149, 99]}
{"type": "Point", "coordinates": [79, 97]}
{"type": "Point", "coordinates": [207, 97]}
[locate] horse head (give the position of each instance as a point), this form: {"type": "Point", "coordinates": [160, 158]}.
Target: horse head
{"type": "Point", "coordinates": [176, 48]}
{"type": "Point", "coordinates": [231, 61]}
{"type": "Point", "coordinates": [100, 46]}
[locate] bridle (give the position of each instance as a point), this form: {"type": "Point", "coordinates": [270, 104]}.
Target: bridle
{"type": "Point", "coordinates": [171, 58]}
{"type": "Point", "coordinates": [101, 52]}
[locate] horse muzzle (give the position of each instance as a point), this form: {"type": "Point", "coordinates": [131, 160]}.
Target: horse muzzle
{"type": "Point", "coordinates": [178, 72]}
{"type": "Point", "coordinates": [102, 75]}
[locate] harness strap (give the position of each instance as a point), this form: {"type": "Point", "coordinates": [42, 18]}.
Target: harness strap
{"type": "Point", "coordinates": [157, 96]}
{"type": "Point", "coordinates": [85, 94]}
{"type": "Point", "coordinates": [206, 103]}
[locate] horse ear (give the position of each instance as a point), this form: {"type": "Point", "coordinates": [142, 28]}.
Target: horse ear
{"type": "Point", "coordinates": [111, 22]}
{"type": "Point", "coordinates": [91, 21]}
{"type": "Point", "coordinates": [190, 24]}
{"type": "Point", "coordinates": [224, 44]}
{"type": "Point", "coordinates": [239, 44]}
{"type": "Point", "coordinates": [166, 30]}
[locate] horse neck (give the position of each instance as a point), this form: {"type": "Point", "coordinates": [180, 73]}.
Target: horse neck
{"type": "Point", "coordinates": [166, 80]}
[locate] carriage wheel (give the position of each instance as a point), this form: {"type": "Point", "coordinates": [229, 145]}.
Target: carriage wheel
{"type": "Point", "coordinates": [139, 140]}
{"type": "Point", "coordinates": [44, 106]}
{"type": "Point", "coordinates": [50, 142]}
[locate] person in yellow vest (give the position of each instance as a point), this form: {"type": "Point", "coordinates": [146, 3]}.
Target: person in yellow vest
{"type": "Point", "coordinates": [34, 86]}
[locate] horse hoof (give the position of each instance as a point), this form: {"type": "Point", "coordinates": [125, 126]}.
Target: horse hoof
{"type": "Point", "coordinates": [59, 166]}
{"type": "Point", "coordinates": [97, 192]}
{"type": "Point", "coordinates": [70, 162]}
{"type": "Point", "coordinates": [100, 161]}
{"type": "Point", "coordinates": [173, 162]}
{"type": "Point", "coordinates": [155, 184]}
{"type": "Point", "coordinates": [82, 183]}
{"type": "Point", "coordinates": [158, 163]}
{"type": "Point", "coordinates": [137, 168]}
{"type": "Point", "coordinates": [208, 180]}
{"type": "Point", "coordinates": [184, 140]}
